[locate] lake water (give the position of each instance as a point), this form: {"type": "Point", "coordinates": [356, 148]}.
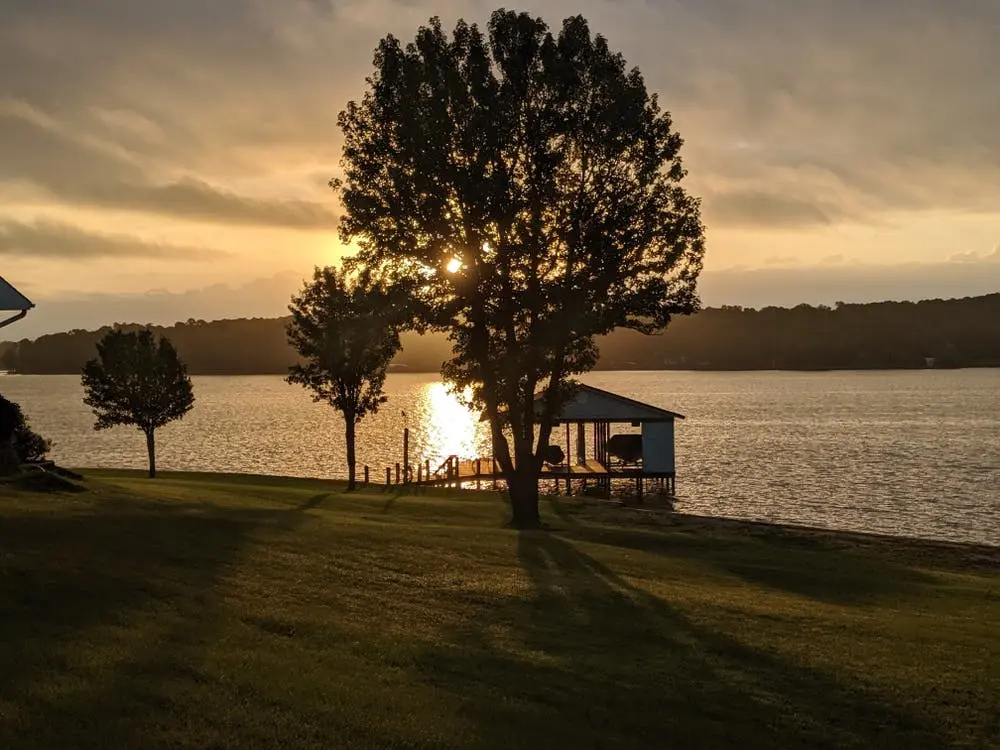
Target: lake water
{"type": "Point", "coordinates": [914, 453]}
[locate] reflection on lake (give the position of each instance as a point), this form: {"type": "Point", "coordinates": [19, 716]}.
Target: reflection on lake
{"type": "Point", "coordinates": [451, 429]}
{"type": "Point", "coordinates": [913, 453]}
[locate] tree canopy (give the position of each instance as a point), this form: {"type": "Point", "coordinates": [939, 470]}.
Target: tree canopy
{"type": "Point", "coordinates": [531, 184]}
{"type": "Point", "coordinates": [139, 381]}
{"type": "Point", "coordinates": [346, 329]}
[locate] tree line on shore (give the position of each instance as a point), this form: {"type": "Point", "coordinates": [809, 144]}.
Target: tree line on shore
{"type": "Point", "coordinates": [951, 333]}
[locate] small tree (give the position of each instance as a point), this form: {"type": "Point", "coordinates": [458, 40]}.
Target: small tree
{"type": "Point", "coordinates": [137, 380]}
{"type": "Point", "coordinates": [346, 328]}
{"type": "Point", "coordinates": [531, 186]}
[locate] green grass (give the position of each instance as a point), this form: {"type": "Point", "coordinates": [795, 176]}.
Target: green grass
{"type": "Point", "coordinates": [218, 611]}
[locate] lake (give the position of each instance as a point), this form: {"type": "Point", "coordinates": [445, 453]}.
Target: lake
{"type": "Point", "coordinates": [914, 453]}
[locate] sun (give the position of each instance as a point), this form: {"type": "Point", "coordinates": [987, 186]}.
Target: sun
{"type": "Point", "coordinates": [453, 266]}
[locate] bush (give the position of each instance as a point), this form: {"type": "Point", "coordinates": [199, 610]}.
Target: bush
{"type": "Point", "coordinates": [16, 434]}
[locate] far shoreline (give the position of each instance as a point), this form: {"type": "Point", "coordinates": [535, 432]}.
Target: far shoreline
{"type": "Point", "coordinates": [407, 371]}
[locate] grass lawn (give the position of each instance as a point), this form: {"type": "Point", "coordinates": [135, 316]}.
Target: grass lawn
{"type": "Point", "coordinates": [213, 611]}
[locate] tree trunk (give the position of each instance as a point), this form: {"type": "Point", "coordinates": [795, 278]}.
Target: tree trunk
{"type": "Point", "coordinates": [151, 450]}
{"type": "Point", "coordinates": [523, 492]}
{"type": "Point", "coordinates": [523, 487]}
{"type": "Point", "coordinates": [352, 483]}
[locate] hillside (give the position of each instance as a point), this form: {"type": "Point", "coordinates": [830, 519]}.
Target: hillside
{"type": "Point", "coordinates": [216, 611]}
{"type": "Point", "coordinates": [950, 333]}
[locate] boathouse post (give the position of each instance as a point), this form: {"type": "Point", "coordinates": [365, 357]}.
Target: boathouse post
{"type": "Point", "coordinates": [406, 453]}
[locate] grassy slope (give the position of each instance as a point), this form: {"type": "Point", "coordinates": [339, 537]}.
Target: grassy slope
{"type": "Point", "coordinates": [209, 611]}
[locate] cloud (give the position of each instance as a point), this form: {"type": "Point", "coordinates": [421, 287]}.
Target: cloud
{"type": "Point", "coordinates": [750, 208]}
{"type": "Point", "coordinates": [95, 172]}
{"type": "Point", "coordinates": [195, 199]}
{"type": "Point", "coordinates": [264, 297]}
{"type": "Point", "coordinates": [850, 282]}
{"type": "Point", "coordinates": [56, 240]}
{"type": "Point", "coordinates": [974, 257]}
{"type": "Point", "coordinates": [803, 117]}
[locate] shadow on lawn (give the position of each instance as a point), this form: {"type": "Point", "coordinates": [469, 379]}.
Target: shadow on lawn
{"type": "Point", "coordinates": [588, 660]}
{"type": "Point", "coordinates": [799, 562]}
{"type": "Point", "coordinates": [97, 606]}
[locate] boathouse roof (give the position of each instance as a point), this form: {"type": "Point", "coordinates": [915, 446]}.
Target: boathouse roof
{"type": "Point", "coordinates": [11, 299]}
{"type": "Point", "coordinates": [590, 404]}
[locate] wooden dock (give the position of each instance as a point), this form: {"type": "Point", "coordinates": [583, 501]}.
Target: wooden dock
{"type": "Point", "coordinates": [458, 472]}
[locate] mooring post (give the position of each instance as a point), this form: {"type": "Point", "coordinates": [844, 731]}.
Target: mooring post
{"type": "Point", "coordinates": [388, 477]}
{"type": "Point", "coordinates": [420, 473]}
{"type": "Point", "coordinates": [397, 472]}
{"type": "Point", "coordinates": [406, 449]}
{"type": "Point", "coordinates": [366, 473]}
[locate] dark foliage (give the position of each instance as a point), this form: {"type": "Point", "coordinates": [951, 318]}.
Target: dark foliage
{"type": "Point", "coordinates": [137, 380]}
{"type": "Point", "coordinates": [346, 330]}
{"type": "Point", "coordinates": [223, 347]}
{"type": "Point", "coordinates": [18, 442]}
{"type": "Point", "coordinates": [532, 186]}
{"type": "Point", "coordinates": [878, 335]}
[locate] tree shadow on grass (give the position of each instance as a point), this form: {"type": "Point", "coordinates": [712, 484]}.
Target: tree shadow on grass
{"type": "Point", "coordinates": [799, 562]}
{"type": "Point", "coordinates": [589, 660]}
{"type": "Point", "coordinates": [94, 607]}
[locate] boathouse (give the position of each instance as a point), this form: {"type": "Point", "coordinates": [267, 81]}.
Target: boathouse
{"type": "Point", "coordinates": [12, 300]}
{"type": "Point", "coordinates": [595, 452]}
{"type": "Point", "coordinates": [646, 455]}
{"type": "Point", "coordinates": [597, 449]}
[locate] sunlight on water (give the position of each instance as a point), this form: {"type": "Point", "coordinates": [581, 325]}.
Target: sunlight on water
{"type": "Point", "coordinates": [451, 429]}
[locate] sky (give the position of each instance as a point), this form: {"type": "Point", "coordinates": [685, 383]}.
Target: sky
{"type": "Point", "coordinates": [167, 160]}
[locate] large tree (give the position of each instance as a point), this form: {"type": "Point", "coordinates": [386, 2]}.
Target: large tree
{"type": "Point", "coordinates": [345, 326]}
{"type": "Point", "coordinates": [139, 381]}
{"type": "Point", "coordinates": [532, 185]}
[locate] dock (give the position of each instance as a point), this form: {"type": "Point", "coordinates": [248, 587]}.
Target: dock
{"type": "Point", "coordinates": [459, 472]}
{"type": "Point", "coordinates": [641, 457]}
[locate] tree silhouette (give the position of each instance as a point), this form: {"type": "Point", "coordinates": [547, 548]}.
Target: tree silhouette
{"type": "Point", "coordinates": [137, 380]}
{"type": "Point", "coordinates": [10, 418]}
{"type": "Point", "coordinates": [346, 329]}
{"type": "Point", "coordinates": [532, 185]}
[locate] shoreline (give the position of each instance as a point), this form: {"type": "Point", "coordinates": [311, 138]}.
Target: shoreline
{"type": "Point", "coordinates": [648, 516]}
{"type": "Point", "coordinates": [407, 371]}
